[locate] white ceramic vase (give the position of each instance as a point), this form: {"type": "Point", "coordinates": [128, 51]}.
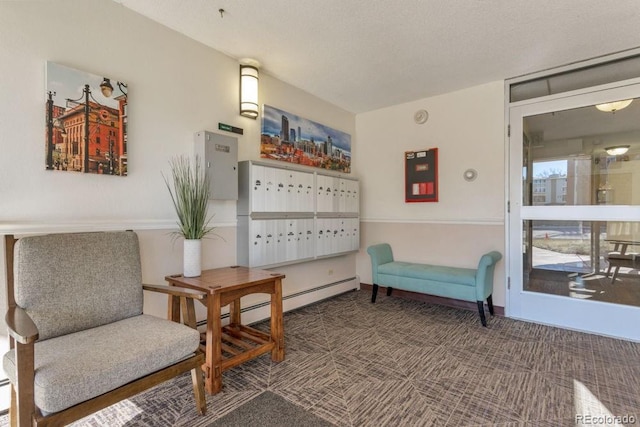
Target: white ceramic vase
{"type": "Point", "coordinates": [192, 266]}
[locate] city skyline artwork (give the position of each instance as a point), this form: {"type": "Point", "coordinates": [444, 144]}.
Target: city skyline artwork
{"type": "Point", "coordinates": [290, 138]}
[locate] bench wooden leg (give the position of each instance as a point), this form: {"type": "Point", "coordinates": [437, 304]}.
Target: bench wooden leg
{"type": "Point", "coordinates": [481, 311]}
{"type": "Point", "coordinates": [389, 290]}
{"type": "Point", "coordinates": [490, 304]}
{"type": "Point", "coordinates": [374, 293]}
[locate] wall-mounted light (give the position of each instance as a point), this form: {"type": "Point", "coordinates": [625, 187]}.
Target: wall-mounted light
{"type": "Point", "coordinates": [249, 88]}
{"type": "Point", "coordinates": [612, 107]}
{"type": "Point", "coordinates": [617, 150]}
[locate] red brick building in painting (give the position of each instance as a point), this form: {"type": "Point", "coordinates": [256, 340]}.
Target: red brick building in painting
{"type": "Point", "coordinates": [106, 142]}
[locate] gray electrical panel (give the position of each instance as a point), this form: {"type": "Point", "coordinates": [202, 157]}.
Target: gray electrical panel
{"type": "Point", "coordinates": [220, 156]}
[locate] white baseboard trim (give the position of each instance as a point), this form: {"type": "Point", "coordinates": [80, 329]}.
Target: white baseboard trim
{"type": "Point", "coordinates": [261, 311]}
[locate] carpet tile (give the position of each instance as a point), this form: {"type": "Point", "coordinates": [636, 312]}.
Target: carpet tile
{"type": "Point", "coordinates": [407, 363]}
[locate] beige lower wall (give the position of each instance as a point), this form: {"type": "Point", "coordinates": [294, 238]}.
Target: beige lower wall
{"type": "Point", "coordinates": [161, 255]}
{"type": "Point", "coordinates": [456, 245]}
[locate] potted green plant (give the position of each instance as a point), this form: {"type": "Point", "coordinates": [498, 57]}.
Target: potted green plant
{"type": "Point", "coordinates": [189, 189]}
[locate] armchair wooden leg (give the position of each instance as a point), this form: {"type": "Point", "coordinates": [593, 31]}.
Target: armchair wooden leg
{"type": "Point", "coordinates": [24, 396]}
{"type": "Point", "coordinates": [389, 290]}
{"type": "Point", "coordinates": [174, 309]}
{"type": "Point", "coordinates": [198, 390]}
{"type": "Point", "coordinates": [188, 312]}
{"type": "Point", "coordinates": [374, 293]}
{"type": "Point", "coordinates": [13, 414]}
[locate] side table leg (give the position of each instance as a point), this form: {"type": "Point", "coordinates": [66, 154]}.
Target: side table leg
{"type": "Point", "coordinates": [277, 324]}
{"type": "Point", "coordinates": [213, 370]}
{"type": "Point", "coordinates": [234, 312]}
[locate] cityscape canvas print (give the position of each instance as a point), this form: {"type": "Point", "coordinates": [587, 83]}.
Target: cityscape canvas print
{"type": "Point", "coordinates": [86, 122]}
{"type": "Point", "coordinates": [290, 138]}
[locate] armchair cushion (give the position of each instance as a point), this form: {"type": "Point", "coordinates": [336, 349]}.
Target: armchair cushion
{"type": "Point", "coordinates": [76, 367]}
{"type": "Point", "coordinates": [70, 282]}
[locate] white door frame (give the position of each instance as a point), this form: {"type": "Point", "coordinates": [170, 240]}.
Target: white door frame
{"type": "Point", "coordinates": [585, 315]}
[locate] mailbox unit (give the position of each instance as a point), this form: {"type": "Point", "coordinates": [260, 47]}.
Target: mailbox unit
{"type": "Point", "coordinates": [287, 214]}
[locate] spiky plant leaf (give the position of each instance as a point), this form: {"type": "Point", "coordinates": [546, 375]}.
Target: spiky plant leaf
{"type": "Point", "coordinates": [189, 189]}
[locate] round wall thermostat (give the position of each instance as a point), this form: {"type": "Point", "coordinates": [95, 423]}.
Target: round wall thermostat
{"type": "Point", "coordinates": [421, 116]}
{"type": "Point", "coordinates": [470, 174]}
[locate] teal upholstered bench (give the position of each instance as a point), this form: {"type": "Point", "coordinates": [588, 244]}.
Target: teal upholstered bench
{"type": "Point", "coordinates": [465, 284]}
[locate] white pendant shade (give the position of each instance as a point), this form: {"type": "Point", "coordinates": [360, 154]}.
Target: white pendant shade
{"type": "Point", "coordinates": [617, 150]}
{"type": "Point", "coordinates": [612, 107]}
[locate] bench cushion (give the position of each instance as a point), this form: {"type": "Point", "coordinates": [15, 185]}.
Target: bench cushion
{"type": "Point", "coordinates": [454, 275]}
{"type": "Point", "coordinates": [394, 268]}
{"type": "Point", "coordinates": [448, 282]}
{"type": "Point", "coordinates": [73, 368]}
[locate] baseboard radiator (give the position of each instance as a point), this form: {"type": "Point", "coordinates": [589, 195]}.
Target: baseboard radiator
{"type": "Point", "coordinates": [261, 311]}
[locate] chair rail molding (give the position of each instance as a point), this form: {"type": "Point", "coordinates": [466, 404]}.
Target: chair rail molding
{"type": "Point", "coordinates": [70, 226]}
{"type": "Point", "coordinates": [468, 221]}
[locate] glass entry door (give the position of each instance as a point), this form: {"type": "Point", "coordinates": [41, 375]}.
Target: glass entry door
{"type": "Point", "coordinates": [574, 222]}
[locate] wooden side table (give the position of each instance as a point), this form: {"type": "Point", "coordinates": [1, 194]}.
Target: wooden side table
{"type": "Point", "coordinates": [231, 345]}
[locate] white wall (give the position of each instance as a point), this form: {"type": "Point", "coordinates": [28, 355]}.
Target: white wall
{"type": "Point", "coordinates": [467, 127]}
{"type": "Point", "coordinates": [176, 87]}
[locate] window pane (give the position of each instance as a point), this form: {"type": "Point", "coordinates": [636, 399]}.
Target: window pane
{"type": "Point", "coordinates": [594, 260]}
{"type": "Point", "coordinates": [608, 72]}
{"type": "Point", "coordinates": [582, 156]}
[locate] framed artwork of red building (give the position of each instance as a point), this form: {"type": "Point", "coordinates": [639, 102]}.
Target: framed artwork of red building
{"type": "Point", "coordinates": [86, 122]}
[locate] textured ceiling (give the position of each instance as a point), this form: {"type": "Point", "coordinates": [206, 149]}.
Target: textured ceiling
{"type": "Point", "coordinates": [362, 55]}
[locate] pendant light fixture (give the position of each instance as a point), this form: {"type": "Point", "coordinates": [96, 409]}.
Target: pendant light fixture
{"type": "Point", "coordinates": [617, 150]}
{"type": "Point", "coordinates": [612, 107]}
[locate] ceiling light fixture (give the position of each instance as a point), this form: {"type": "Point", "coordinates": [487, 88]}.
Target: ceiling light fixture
{"type": "Point", "coordinates": [617, 150]}
{"type": "Point", "coordinates": [249, 88]}
{"type": "Point", "coordinates": [612, 107]}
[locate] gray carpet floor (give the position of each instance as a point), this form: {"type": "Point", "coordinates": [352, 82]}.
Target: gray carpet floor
{"type": "Point", "coordinates": [406, 363]}
{"type": "Point", "coordinates": [270, 410]}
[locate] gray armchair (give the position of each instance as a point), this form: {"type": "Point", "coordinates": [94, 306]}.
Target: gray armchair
{"type": "Point", "coordinates": [79, 340]}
